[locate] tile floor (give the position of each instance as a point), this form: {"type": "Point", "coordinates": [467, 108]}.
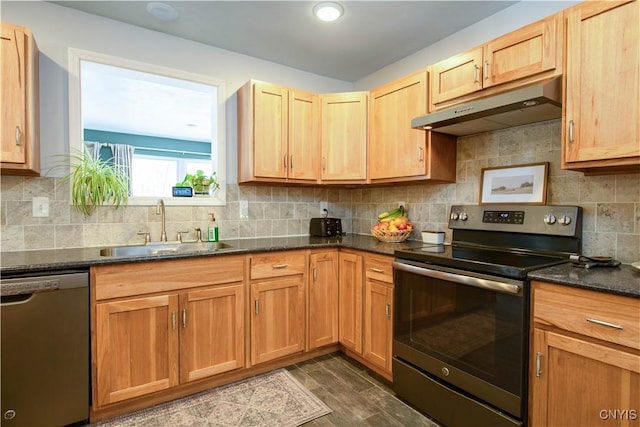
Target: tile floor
{"type": "Point", "coordinates": [357, 396]}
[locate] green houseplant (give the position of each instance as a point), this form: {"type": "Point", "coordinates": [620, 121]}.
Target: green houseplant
{"type": "Point", "coordinates": [94, 182]}
{"type": "Point", "coordinates": [201, 183]}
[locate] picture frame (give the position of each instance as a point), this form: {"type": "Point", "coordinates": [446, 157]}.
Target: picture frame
{"type": "Point", "coordinates": [522, 184]}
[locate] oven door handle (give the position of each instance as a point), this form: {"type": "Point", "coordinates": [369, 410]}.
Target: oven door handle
{"type": "Point", "coordinates": [477, 282]}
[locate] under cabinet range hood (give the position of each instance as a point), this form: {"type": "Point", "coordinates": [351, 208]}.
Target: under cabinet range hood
{"type": "Point", "coordinates": [514, 108]}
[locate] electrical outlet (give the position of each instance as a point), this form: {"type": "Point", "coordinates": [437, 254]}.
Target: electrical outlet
{"type": "Point", "coordinates": [40, 207]}
{"type": "Point", "coordinates": [400, 203]}
{"type": "Point", "coordinates": [244, 209]}
{"type": "Point", "coordinates": [323, 206]}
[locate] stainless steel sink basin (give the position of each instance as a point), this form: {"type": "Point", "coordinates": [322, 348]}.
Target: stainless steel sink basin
{"type": "Point", "coordinates": [164, 249]}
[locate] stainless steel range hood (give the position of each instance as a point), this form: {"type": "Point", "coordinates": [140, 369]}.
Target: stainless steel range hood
{"type": "Point", "coordinates": [514, 108]}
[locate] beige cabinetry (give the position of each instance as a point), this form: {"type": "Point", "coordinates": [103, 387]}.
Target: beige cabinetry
{"type": "Point", "coordinates": [277, 304]}
{"type": "Point", "coordinates": [601, 119]}
{"type": "Point", "coordinates": [160, 324]}
{"type": "Point", "coordinates": [322, 299]}
{"type": "Point", "coordinates": [378, 312]}
{"type": "Point", "coordinates": [344, 137]}
{"type": "Point", "coordinates": [585, 358]}
{"type": "Point", "coordinates": [524, 56]}
{"type": "Point", "coordinates": [396, 151]}
{"type": "Point", "coordinates": [350, 301]}
{"type": "Point", "coordinates": [278, 134]}
{"type": "Point", "coordinates": [20, 103]}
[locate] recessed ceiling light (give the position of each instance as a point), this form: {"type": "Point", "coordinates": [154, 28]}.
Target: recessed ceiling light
{"type": "Point", "coordinates": [162, 11]}
{"type": "Point", "coordinates": [328, 11]}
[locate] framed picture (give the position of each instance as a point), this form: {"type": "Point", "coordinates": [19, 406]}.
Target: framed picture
{"type": "Point", "coordinates": [515, 184]}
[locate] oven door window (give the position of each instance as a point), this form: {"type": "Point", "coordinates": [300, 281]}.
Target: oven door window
{"type": "Point", "coordinates": [478, 331]}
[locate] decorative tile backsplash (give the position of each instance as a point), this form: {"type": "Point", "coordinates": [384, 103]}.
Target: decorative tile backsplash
{"type": "Point", "coordinates": [611, 203]}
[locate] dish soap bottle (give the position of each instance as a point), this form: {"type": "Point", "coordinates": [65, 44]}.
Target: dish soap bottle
{"type": "Point", "coordinates": [213, 229]}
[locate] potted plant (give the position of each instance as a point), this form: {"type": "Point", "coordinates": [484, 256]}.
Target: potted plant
{"type": "Point", "coordinates": [201, 183]}
{"type": "Point", "coordinates": [94, 182]}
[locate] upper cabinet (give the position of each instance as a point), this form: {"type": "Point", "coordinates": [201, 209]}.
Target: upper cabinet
{"type": "Point", "coordinates": [529, 54]}
{"type": "Point", "coordinates": [19, 105]}
{"type": "Point", "coordinates": [344, 137]}
{"type": "Point", "coordinates": [278, 139]}
{"type": "Point", "coordinates": [396, 151]}
{"type": "Point", "coordinates": [601, 119]}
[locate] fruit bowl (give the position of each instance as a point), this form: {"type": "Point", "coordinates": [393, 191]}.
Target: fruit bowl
{"type": "Point", "coordinates": [391, 236]}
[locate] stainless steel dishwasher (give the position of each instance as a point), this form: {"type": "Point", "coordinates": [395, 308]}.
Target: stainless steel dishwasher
{"type": "Point", "coordinates": [45, 349]}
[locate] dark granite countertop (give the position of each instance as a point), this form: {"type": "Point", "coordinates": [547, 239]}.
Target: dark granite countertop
{"type": "Point", "coordinates": [622, 280]}
{"type": "Point", "coordinates": [14, 263]}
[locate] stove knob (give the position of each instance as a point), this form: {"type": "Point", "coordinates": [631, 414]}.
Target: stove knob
{"type": "Point", "coordinates": [564, 219]}
{"type": "Point", "coordinates": [463, 216]}
{"type": "Point", "coordinates": [454, 216]}
{"type": "Point", "coordinates": [549, 219]}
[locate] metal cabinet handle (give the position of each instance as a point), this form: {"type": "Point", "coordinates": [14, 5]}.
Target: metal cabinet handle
{"type": "Point", "coordinates": [570, 131]}
{"type": "Point", "coordinates": [485, 71]}
{"type": "Point", "coordinates": [475, 73]}
{"type": "Point", "coordinates": [376, 270]}
{"type": "Point", "coordinates": [291, 162]}
{"type": "Point", "coordinates": [18, 136]}
{"type": "Point", "coordinates": [174, 320]}
{"type": "Point", "coordinates": [603, 323]}
{"type": "Point", "coordinates": [284, 161]}
{"type": "Point", "coordinates": [279, 266]}
{"type": "Point", "coordinates": [538, 364]}
{"type": "Point", "coordinates": [324, 163]}
{"type": "Point", "coordinates": [184, 318]}
{"type": "Point", "coordinates": [315, 273]}
{"type": "Point", "coordinates": [420, 154]}
{"type": "Point", "coordinates": [387, 310]}
{"type": "Point", "coordinates": [257, 306]}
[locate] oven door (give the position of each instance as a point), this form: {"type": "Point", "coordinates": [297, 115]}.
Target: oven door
{"type": "Point", "coordinates": [463, 329]}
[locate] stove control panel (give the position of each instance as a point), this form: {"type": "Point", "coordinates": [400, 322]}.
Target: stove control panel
{"type": "Point", "coordinates": [536, 219]}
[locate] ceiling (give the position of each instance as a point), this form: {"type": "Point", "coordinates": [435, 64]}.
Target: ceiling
{"type": "Point", "coordinates": [369, 36]}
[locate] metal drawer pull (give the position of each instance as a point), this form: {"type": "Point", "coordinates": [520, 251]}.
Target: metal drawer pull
{"type": "Point", "coordinates": [570, 130]}
{"type": "Point", "coordinates": [18, 136]}
{"type": "Point", "coordinates": [315, 274]}
{"type": "Point", "coordinates": [603, 323]}
{"type": "Point", "coordinates": [387, 310]}
{"type": "Point", "coordinates": [257, 306]}
{"type": "Point", "coordinates": [376, 270]}
{"type": "Point", "coordinates": [174, 320]}
{"type": "Point", "coordinates": [280, 266]}
{"type": "Point", "coordinates": [486, 70]}
{"type": "Point", "coordinates": [184, 318]}
{"type": "Point", "coordinates": [475, 73]}
{"type": "Point", "coordinates": [538, 364]}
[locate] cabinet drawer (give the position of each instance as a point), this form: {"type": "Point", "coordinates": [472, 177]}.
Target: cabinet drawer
{"type": "Point", "coordinates": [608, 317]}
{"type": "Point", "coordinates": [379, 268]}
{"type": "Point", "coordinates": [277, 264]}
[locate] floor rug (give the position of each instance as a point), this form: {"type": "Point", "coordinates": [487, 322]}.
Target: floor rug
{"type": "Point", "coordinates": [272, 399]}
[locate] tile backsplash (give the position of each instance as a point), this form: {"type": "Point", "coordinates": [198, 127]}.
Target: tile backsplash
{"type": "Point", "coordinates": [611, 203]}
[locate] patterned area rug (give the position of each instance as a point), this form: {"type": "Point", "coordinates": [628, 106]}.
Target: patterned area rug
{"type": "Point", "coordinates": [272, 399]}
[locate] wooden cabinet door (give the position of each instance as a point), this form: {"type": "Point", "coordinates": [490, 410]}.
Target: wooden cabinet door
{"type": "Point", "coordinates": [277, 318]}
{"type": "Point", "coordinates": [525, 52]}
{"type": "Point", "coordinates": [270, 130]}
{"type": "Point", "coordinates": [304, 138]}
{"type": "Point", "coordinates": [14, 93]}
{"type": "Point", "coordinates": [322, 312]}
{"type": "Point", "coordinates": [396, 150]}
{"type": "Point", "coordinates": [211, 331]}
{"type": "Point", "coordinates": [136, 346]}
{"type": "Point", "coordinates": [378, 304]}
{"type": "Point", "coordinates": [575, 382]}
{"type": "Point", "coordinates": [350, 301]}
{"type": "Point", "coordinates": [455, 77]}
{"type": "Point", "coordinates": [602, 104]}
{"type": "Point", "coordinates": [344, 137]}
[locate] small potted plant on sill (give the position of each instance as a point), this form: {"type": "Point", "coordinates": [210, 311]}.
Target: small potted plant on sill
{"type": "Point", "coordinates": [94, 182]}
{"type": "Point", "coordinates": [202, 184]}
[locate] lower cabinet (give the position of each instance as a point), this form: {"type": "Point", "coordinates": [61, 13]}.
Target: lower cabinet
{"type": "Point", "coordinates": [277, 305]}
{"type": "Point", "coordinates": [322, 299]}
{"type": "Point", "coordinates": [585, 358]}
{"type": "Point", "coordinates": [365, 309]}
{"type": "Point", "coordinates": [161, 324]}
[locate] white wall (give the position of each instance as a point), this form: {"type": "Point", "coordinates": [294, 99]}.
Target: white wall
{"type": "Point", "coordinates": [58, 28]}
{"type": "Point", "coordinates": [503, 22]}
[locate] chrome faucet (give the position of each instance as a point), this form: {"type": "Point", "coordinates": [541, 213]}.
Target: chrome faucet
{"type": "Point", "coordinates": [160, 211]}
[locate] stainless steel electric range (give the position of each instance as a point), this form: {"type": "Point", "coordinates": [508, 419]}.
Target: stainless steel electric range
{"type": "Point", "coordinates": [461, 311]}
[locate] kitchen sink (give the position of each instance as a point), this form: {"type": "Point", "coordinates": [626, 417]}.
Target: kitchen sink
{"type": "Point", "coordinates": [164, 249]}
